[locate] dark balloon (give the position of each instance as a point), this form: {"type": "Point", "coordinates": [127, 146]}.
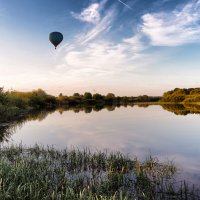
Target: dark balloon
{"type": "Point", "coordinates": [56, 38]}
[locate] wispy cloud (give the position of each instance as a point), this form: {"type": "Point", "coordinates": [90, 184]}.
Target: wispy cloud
{"type": "Point", "coordinates": [91, 54]}
{"type": "Point", "coordinates": [125, 5]}
{"type": "Point", "coordinates": [103, 58]}
{"type": "Point", "coordinates": [179, 27]}
{"type": "Point", "coordinates": [90, 14]}
{"type": "Point", "coordinates": [92, 57]}
{"type": "Point", "coordinates": [135, 43]}
{"type": "Point", "coordinates": [101, 27]}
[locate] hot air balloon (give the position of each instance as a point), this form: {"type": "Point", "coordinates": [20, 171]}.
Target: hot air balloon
{"type": "Point", "coordinates": [55, 38]}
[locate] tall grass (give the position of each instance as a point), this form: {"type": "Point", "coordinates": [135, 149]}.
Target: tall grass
{"type": "Point", "coordinates": [48, 173]}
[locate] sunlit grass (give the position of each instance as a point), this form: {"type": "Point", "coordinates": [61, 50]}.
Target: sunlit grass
{"type": "Point", "coordinates": [48, 173]}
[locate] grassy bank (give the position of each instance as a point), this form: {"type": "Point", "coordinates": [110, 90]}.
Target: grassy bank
{"type": "Point", "coordinates": [47, 173]}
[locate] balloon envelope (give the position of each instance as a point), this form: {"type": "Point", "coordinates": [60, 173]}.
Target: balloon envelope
{"type": "Point", "coordinates": [55, 38]}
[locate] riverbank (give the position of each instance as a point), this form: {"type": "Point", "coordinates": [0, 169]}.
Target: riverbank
{"type": "Point", "coordinates": [48, 173]}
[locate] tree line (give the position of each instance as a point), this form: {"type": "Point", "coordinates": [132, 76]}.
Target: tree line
{"type": "Point", "coordinates": [16, 103]}
{"type": "Point", "coordinates": [92, 99]}
{"type": "Point", "coordinates": [39, 98]}
{"type": "Point", "coordinates": [178, 95]}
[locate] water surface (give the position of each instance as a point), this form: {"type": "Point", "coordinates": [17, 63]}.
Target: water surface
{"type": "Point", "coordinates": [134, 130]}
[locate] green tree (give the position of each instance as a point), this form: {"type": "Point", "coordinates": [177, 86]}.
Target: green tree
{"type": "Point", "coordinates": [110, 97]}
{"type": "Point", "coordinates": [97, 97]}
{"type": "Point", "coordinates": [76, 94]}
{"type": "Point", "coordinates": [87, 95]}
{"type": "Point", "coordinates": [40, 92]}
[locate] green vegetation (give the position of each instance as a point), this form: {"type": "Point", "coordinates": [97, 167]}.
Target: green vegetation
{"type": "Point", "coordinates": [186, 96]}
{"type": "Point", "coordinates": [14, 104]}
{"type": "Point", "coordinates": [98, 99]}
{"type": "Point", "coordinates": [48, 173]}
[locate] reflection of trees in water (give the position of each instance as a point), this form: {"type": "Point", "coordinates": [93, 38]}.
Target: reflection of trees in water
{"type": "Point", "coordinates": [7, 129]}
{"type": "Point", "coordinates": [182, 109]}
{"type": "Point", "coordinates": [97, 108]}
{"type": "Point", "coordinates": [143, 105]}
{"type": "Point", "coordinates": [88, 109]}
{"type": "Point", "coordinates": [39, 115]}
{"type": "Point", "coordinates": [110, 107]}
{"type": "Point", "coordinates": [12, 124]}
{"type": "Point", "coordinates": [10, 127]}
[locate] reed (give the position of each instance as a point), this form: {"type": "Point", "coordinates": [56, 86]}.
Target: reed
{"type": "Point", "coordinates": [48, 173]}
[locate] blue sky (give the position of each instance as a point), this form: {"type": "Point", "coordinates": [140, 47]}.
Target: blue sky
{"type": "Point", "coordinates": [128, 47]}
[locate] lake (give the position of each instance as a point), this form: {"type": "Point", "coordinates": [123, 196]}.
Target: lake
{"type": "Point", "coordinates": [138, 131]}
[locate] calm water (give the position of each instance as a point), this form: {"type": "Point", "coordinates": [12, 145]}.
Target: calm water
{"type": "Point", "coordinates": [133, 130]}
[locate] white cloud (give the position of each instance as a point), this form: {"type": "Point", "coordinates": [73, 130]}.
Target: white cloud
{"type": "Point", "coordinates": [180, 27]}
{"type": "Point", "coordinates": [135, 43]}
{"type": "Point", "coordinates": [89, 54]}
{"type": "Point", "coordinates": [90, 14]}
{"type": "Point", "coordinates": [101, 27]}
{"type": "Point", "coordinates": [102, 58]}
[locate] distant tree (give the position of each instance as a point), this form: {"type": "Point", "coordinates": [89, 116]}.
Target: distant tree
{"type": "Point", "coordinates": [180, 91]}
{"type": "Point", "coordinates": [177, 95]}
{"type": "Point", "coordinates": [40, 92]}
{"type": "Point", "coordinates": [60, 95]}
{"type": "Point", "coordinates": [125, 99]}
{"type": "Point", "coordinates": [87, 95]}
{"type": "Point", "coordinates": [110, 96]}
{"type": "Point", "coordinates": [143, 98]}
{"type": "Point", "coordinates": [97, 96]}
{"type": "Point", "coordinates": [76, 94]}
